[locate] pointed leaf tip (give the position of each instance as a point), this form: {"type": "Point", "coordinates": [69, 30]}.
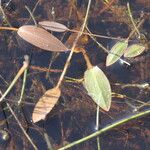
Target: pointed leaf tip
{"type": "Point", "coordinates": [45, 104]}
{"type": "Point", "coordinates": [53, 26]}
{"type": "Point", "coordinates": [41, 38]}
{"type": "Point", "coordinates": [116, 52]}
{"type": "Point", "coordinates": [98, 87]}
{"type": "Point", "coordinates": [134, 50]}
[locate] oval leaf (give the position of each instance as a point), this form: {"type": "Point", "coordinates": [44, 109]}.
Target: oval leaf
{"type": "Point", "coordinates": [116, 52]}
{"type": "Point", "coordinates": [53, 26]}
{"type": "Point", "coordinates": [41, 38]}
{"type": "Point", "coordinates": [98, 87]}
{"type": "Point", "coordinates": [45, 104]}
{"type": "Point", "coordinates": [134, 50]}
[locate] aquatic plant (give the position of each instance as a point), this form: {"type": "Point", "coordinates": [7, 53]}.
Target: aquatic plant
{"type": "Point", "coordinates": [96, 83]}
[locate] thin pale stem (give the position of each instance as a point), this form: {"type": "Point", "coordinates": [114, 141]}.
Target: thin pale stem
{"type": "Point", "coordinates": [96, 35]}
{"type": "Point", "coordinates": [23, 87]}
{"type": "Point", "coordinates": [97, 127]}
{"type": "Point", "coordinates": [45, 69]}
{"type": "Point", "coordinates": [133, 31]}
{"type": "Point", "coordinates": [105, 49]}
{"type": "Point", "coordinates": [23, 130]}
{"type": "Point", "coordinates": [72, 49]}
{"type": "Point", "coordinates": [107, 128]}
{"type": "Point", "coordinates": [132, 20]}
{"type": "Point", "coordinates": [4, 16]}
{"type": "Point", "coordinates": [20, 72]}
{"type": "Point", "coordinates": [31, 15]}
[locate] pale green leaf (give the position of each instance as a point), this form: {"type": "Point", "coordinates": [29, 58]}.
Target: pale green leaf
{"type": "Point", "coordinates": [98, 87]}
{"type": "Point", "coordinates": [116, 52]}
{"type": "Point", "coordinates": [134, 50]}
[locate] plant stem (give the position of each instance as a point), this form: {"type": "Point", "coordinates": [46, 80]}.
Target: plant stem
{"type": "Point", "coordinates": [74, 44]}
{"type": "Point", "coordinates": [96, 35]}
{"type": "Point", "coordinates": [88, 63]}
{"type": "Point", "coordinates": [23, 87]}
{"type": "Point", "coordinates": [31, 15]}
{"type": "Point", "coordinates": [4, 16]}
{"type": "Point", "coordinates": [133, 31]}
{"type": "Point", "coordinates": [20, 72]}
{"type": "Point", "coordinates": [130, 14]}
{"type": "Point", "coordinates": [107, 128]}
{"type": "Point", "coordinates": [23, 130]}
{"type": "Point", "coordinates": [97, 127]}
{"type": "Point", "coordinates": [9, 28]}
{"type": "Point", "coordinates": [45, 69]}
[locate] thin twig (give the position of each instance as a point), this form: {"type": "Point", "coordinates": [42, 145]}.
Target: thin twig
{"type": "Point", "coordinates": [23, 87]}
{"type": "Point", "coordinates": [31, 15]}
{"type": "Point", "coordinates": [134, 30]}
{"type": "Point", "coordinates": [107, 128]}
{"type": "Point", "coordinates": [9, 28]}
{"type": "Point", "coordinates": [72, 49]}
{"type": "Point", "coordinates": [97, 125]}
{"type": "Point", "coordinates": [4, 16]}
{"type": "Point", "coordinates": [130, 14]}
{"type": "Point", "coordinates": [33, 10]}
{"type": "Point", "coordinates": [23, 130]}
{"type": "Point", "coordinates": [45, 69]}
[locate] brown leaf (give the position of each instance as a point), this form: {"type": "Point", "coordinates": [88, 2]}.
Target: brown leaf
{"type": "Point", "coordinates": [53, 26]}
{"type": "Point", "coordinates": [41, 38]}
{"type": "Point", "coordinates": [45, 104]}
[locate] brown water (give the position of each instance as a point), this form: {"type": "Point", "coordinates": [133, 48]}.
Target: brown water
{"type": "Point", "coordinates": [74, 115]}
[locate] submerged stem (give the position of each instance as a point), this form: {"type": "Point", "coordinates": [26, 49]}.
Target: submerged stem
{"type": "Point", "coordinates": [88, 62]}
{"type": "Point", "coordinates": [107, 128]}
{"type": "Point", "coordinates": [74, 44]}
{"type": "Point", "coordinates": [20, 72]}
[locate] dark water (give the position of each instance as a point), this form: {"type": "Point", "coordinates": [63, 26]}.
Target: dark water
{"type": "Point", "coordinates": [75, 114]}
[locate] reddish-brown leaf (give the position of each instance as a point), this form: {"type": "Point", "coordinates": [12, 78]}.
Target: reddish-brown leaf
{"type": "Point", "coordinates": [41, 38]}
{"type": "Point", "coordinates": [53, 26]}
{"type": "Point", "coordinates": [45, 104]}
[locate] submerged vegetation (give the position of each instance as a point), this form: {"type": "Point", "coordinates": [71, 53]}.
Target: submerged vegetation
{"type": "Point", "coordinates": [85, 72]}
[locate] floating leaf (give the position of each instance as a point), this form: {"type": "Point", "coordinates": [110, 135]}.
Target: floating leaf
{"type": "Point", "coordinates": [45, 104]}
{"type": "Point", "coordinates": [134, 50]}
{"type": "Point", "coordinates": [116, 52]}
{"type": "Point", "coordinates": [98, 87]}
{"type": "Point", "coordinates": [53, 26]}
{"type": "Point", "coordinates": [41, 38]}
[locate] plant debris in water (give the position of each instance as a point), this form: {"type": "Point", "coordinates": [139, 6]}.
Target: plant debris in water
{"type": "Point", "coordinates": [41, 38]}
{"type": "Point", "coordinates": [74, 116]}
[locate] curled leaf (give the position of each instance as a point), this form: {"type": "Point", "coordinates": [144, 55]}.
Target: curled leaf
{"type": "Point", "coordinates": [53, 26]}
{"type": "Point", "coordinates": [41, 38]}
{"type": "Point", "coordinates": [134, 50]}
{"type": "Point", "coordinates": [45, 104]}
{"type": "Point", "coordinates": [98, 87]}
{"type": "Point", "coordinates": [116, 52]}
{"type": "Point", "coordinates": [78, 49]}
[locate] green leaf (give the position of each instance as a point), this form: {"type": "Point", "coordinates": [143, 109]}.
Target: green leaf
{"type": "Point", "coordinates": [116, 52]}
{"type": "Point", "coordinates": [98, 87]}
{"type": "Point", "coordinates": [134, 50]}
